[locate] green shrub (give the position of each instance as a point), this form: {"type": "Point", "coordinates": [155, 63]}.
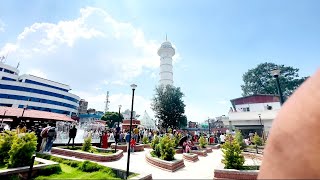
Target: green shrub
{"type": "Point", "coordinates": [44, 156]}
{"type": "Point", "coordinates": [239, 138]}
{"type": "Point", "coordinates": [157, 150]}
{"type": "Point", "coordinates": [257, 140]}
{"type": "Point", "coordinates": [88, 166]}
{"type": "Point", "coordinates": [48, 170]}
{"type": "Point", "coordinates": [13, 177]}
{"type": "Point", "coordinates": [87, 144]}
{"type": "Point", "coordinates": [145, 140]}
{"type": "Point", "coordinates": [22, 149]}
{"type": "Point", "coordinates": [167, 151]}
{"type": "Point", "coordinates": [109, 171]}
{"type": "Point", "coordinates": [6, 140]}
{"type": "Point", "coordinates": [154, 142]}
{"type": "Point", "coordinates": [202, 142]}
{"type": "Point", "coordinates": [233, 158]}
{"type": "Point", "coordinates": [177, 140]}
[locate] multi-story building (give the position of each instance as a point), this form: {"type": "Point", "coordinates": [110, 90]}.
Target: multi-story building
{"type": "Point", "coordinates": [253, 113]}
{"type": "Point", "coordinates": [31, 92]}
{"type": "Point", "coordinates": [90, 117]}
{"type": "Point", "coordinates": [83, 106]}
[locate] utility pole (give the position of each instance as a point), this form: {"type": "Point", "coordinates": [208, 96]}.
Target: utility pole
{"type": "Point", "coordinates": [107, 103]}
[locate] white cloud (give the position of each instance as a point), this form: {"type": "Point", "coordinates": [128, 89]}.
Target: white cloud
{"type": "Point", "coordinates": [88, 53]}
{"type": "Point", "coordinates": [120, 46]}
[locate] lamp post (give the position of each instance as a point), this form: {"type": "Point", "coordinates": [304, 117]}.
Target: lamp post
{"type": "Point", "coordinates": [118, 130]}
{"type": "Point", "coordinates": [262, 128]}
{"type": "Point", "coordinates": [209, 125]}
{"type": "Point", "coordinates": [133, 86]}
{"type": "Point", "coordinates": [275, 73]}
{"type": "Point", "coordinates": [24, 108]}
{"type": "Point", "coordinates": [4, 114]}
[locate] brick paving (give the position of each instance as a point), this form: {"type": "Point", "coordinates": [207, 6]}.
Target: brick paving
{"type": "Point", "coordinates": [202, 169]}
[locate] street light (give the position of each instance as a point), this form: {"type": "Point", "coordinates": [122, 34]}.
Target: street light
{"type": "Point", "coordinates": [4, 114]}
{"type": "Point", "coordinates": [209, 125]}
{"type": "Point", "coordinates": [133, 86]}
{"type": "Point", "coordinates": [118, 130]}
{"type": "Point", "coordinates": [276, 73]}
{"type": "Point", "coordinates": [262, 127]}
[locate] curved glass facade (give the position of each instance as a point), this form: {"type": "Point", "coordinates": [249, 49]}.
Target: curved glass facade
{"type": "Point", "coordinates": [38, 91]}
{"type": "Point", "coordinates": [32, 92]}
{"type": "Point", "coordinates": [39, 100]}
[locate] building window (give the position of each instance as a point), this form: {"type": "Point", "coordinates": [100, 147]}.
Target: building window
{"type": "Point", "coordinates": [38, 91]}
{"type": "Point", "coordinates": [246, 109]}
{"type": "Point", "coordinates": [8, 79]}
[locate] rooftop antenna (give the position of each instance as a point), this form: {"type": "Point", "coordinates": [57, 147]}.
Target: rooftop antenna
{"type": "Point", "coordinates": [2, 59]}
{"type": "Point", "coordinates": [107, 103]}
{"type": "Point", "coordinates": [18, 65]}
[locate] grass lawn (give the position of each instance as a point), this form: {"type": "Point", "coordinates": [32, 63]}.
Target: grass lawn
{"type": "Point", "coordinates": [78, 148]}
{"type": "Point", "coordinates": [69, 172]}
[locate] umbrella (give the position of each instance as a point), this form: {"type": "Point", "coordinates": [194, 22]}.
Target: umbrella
{"type": "Point", "coordinates": [182, 140]}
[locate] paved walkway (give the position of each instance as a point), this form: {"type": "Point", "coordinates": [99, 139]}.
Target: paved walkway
{"type": "Point", "coordinates": [202, 169]}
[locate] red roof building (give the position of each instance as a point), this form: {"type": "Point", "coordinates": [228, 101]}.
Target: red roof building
{"type": "Point", "coordinates": [28, 114]}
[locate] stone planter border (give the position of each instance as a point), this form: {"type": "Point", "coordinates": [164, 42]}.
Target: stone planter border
{"type": "Point", "coordinates": [190, 157]}
{"type": "Point", "coordinates": [170, 166]}
{"type": "Point", "coordinates": [200, 152]}
{"type": "Point", "coordinates": [23, 171]}
{"type": "Point", "coordinates": [235, 174]}
{"type": "Point", "coordinates": [217, 146]}
{"type": "Point", "coordinates": [179, 151]}
{"type": "Point", "coordinates": [89, 156]}
{"type": "Point", "coordinates": [123, 147]}
{"type": "Point", "coordinates": [147, 146]}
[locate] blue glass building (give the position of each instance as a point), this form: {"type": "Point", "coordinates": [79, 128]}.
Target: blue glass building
{"type": "Point", "coordinates": [31, 92]}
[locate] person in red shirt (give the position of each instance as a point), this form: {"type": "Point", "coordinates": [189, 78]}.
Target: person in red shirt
{"type": "Point", "coordinates": [105, 140]}
{"type": "Point", "coordinates": [132, 144]}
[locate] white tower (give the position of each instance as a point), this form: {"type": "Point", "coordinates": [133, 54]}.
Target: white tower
{"type": "Point", "coordinates": [166, 52]}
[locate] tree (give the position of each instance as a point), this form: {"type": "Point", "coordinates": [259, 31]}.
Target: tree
{"type": "Point", "coordinates": [260, 81]}
{"type": "Point", "coordinates": [169, 107]}
{"type": "Point", "coordinates": [111, 118]}
{"type": "Point", "coordinates": [232, 157]}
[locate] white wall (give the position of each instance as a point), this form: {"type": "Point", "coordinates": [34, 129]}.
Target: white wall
{"type": "Point", "coordinates": [258, 106]}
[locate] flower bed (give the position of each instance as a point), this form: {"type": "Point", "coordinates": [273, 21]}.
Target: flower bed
{"type": "Point", "coordinates": [235, 174]}
{"type": "Point", "coordinates": [89, 156]}
{"type": "Point", "coordinates": [171, 166]}
{"type": "Point", "coordinates": [200, 152]}
{"type": "Point", "coordinates": [123, 147]}
{"type": "Point", "coordinates": [22, 172]}
{"type": "Point", "coordinates": [190, 157]}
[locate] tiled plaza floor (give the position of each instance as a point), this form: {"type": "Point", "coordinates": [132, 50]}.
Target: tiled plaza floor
{"type": "Point", "coordinates": [202, 169]}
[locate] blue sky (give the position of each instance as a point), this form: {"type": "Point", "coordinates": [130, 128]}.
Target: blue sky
{"type": "Point", "coordinates": [95, 46]}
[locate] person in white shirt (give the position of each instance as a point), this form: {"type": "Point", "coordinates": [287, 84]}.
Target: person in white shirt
{"type": "Point", "coordinates": [222, 138]}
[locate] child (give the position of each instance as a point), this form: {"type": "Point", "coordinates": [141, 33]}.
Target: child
{"type": "Point", "coordinates": [132, 144]}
